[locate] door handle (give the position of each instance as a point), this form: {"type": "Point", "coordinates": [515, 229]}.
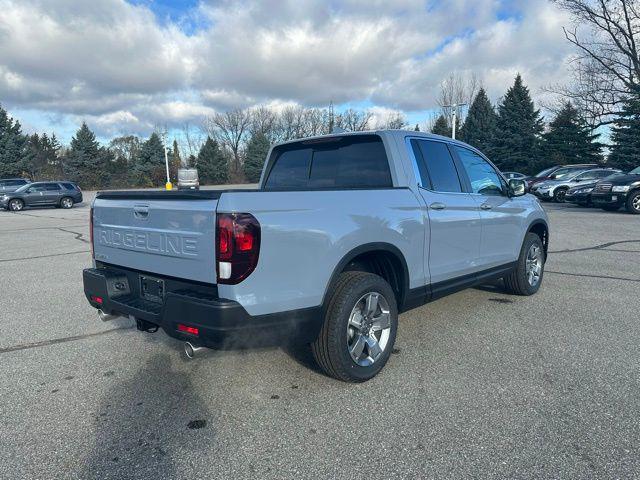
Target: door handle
{"type": "Point", "coordinates": [141, 211]}
{"type": "Point", "coordinates": [437, 206]}
{"type": "Point", "coordinates": [486, 206]}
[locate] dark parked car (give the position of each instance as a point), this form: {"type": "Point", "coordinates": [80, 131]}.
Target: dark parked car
{"type": "Point", "coordinates": [59, 194]}
{"type": "Point", "coordinates": [8, 185]}
{"type": "Point", "coordinates": [557, 172]}
{"type": "Point", "coordinates": [619, 191]}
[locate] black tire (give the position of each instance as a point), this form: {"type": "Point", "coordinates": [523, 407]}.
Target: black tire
{"type": "Point", "coordinates": [610, 208]}
{"type": "Point", "coordinates": [517, 282]}
{"type": "Point", "coordinates": [330, 349]}
{"type": "Point", "coordinates": [15, 205]}
{"type": "Point", "coordinates": [558, 195]}
{"type": "Point", "coordinates": [66, 202]}
{"type": "Point", "coordinates": [633, 203]}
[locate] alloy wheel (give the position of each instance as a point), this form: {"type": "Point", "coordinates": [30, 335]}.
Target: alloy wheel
{"type": "Point", "coordinates": [534, 265]}
{"type": "Point", "coordinates": [369, 329]}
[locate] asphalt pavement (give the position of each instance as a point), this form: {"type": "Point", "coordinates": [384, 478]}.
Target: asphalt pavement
{"type": "Point", "coordinates": [481, 384]}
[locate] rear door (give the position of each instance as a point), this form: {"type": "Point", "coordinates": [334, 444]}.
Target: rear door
{"type": "Point", "coordinates": [52, 193]}
{"type": "Point", "coordinates": [501, 222]}
{"type": "Point", "coordinates": [454, 219]}
{"type": "Point", "coordinates": [167, 233]}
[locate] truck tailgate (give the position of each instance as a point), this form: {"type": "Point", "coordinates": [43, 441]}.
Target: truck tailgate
{"type": "Point", "coordinates": [168, 233]}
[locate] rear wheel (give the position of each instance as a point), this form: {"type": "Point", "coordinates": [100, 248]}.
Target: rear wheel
{"type": "Point", "coordinates": [66, 202]}
{"type": "Point", "coordinates": [16, 205]}
{"type": "Point", "coordinates": [526, 278]}
{"type": "Point", "coordinates": [633, 203]}
{"type": "Point", "coordinates": [359, 329]}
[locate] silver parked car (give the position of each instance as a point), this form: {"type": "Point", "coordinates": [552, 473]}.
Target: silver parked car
{"type": "Point", "coordinates": [557, 189]}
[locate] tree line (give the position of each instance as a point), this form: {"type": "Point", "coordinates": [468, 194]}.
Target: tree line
{"type": "Point", "coordinates": [604, 90]}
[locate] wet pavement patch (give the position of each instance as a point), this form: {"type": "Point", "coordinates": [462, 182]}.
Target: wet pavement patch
{"type": "Point", "coordinates": [196, 424]}
{"type": "Point", "coordinates": [396, 351]}
{"type": "Point", "coordinates": [275, 397]}
{"type": "Point", "coordinates": [500, 300]}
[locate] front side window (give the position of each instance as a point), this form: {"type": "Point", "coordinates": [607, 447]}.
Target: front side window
{"type": "Point", "coordinates": [353, 161]}
{"type": "Point", "coordinates": [483, 177]}
{"type": "Point", "coordinates": [435, 163]}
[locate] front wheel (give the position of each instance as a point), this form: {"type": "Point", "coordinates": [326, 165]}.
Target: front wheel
{"type": "Point", "coordinates": [559, 194]}
{"type": "Point", "coordinates": [526, 278]}
{"type": "Point", "coordinates": [359, 328]}
{"type": "Point", "coordinates": [633, 203]}
{"type": "Point", "coordinates": [16, 205]}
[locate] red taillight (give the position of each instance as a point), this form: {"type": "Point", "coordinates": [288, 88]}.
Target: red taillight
{"type": "Point", "coordinates": [237, 246]}
{"type": "Point", "coordinates": [91, 230]}
{"type": "Point", "coordinates": [188, 329]}
{"type": "Point", "coordinates": [98, 300]}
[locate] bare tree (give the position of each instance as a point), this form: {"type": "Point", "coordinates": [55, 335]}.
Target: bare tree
{"type": "Point", "coordinates": [353, 120]}
{"type": "Point", "coordinates": [455, 89]}
{"type": "Point", "coordinates": [263, 120]}
{"type": "Point", "coordinates": [230, 129]}
{"type": "Point", "coordinates": [606, 69]}
{"type": "Point", "coordinates": [191, 139]}
{"type": "Point", "coordinates": [393, 120]}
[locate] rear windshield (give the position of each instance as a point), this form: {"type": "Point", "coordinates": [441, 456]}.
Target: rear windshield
{"type": "Point", "coordinates": [353, 161]}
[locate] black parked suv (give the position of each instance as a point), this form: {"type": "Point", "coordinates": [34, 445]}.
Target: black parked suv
{"type": "Point", "coordinates": [59, 194]}
{"type": "Point", "coordinates": [618, 191]}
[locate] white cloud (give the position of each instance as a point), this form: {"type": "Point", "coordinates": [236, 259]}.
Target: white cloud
{"type": "Point", "coordinates": [115, 64]}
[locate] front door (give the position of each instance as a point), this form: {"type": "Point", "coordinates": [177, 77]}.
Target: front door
{"type": "Point", "coordinates": [501, 214]}
{"type": "Point", "coordinates": [34, 195]}
{"type": "Point", "coordinates": [454, 219]}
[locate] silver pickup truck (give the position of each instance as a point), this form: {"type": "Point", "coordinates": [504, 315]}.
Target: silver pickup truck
{"type": "Point", "coordinates": [344, 233]}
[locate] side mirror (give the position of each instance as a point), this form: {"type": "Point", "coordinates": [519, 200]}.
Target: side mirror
{"type": "Point", "coordinates": [518, 187]}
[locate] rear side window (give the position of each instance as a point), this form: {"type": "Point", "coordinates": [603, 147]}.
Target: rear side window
{"type": "Point", "coordinates": [68, 186]}
{"type": "Point", "coordinates": [52, 186]}
{"type": "Point", "coordinates": [15, 183]}
{"type": "Point", "coordinates": [357, 161]}
{"type": "Point", "coordinates": [437, 170]}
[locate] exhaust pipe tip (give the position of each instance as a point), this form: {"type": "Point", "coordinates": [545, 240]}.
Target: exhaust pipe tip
{"type": "Point", "coordinates": [106, 317]}
{"type": "Point", "coordinates": [191, 350]}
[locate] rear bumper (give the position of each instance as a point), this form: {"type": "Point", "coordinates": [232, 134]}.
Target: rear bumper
{"type": "Point", "coordinates": [220, 322]}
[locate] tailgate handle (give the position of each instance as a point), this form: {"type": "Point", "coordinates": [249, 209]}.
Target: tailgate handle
{"type": "Point", "coordinates": [141, 211]}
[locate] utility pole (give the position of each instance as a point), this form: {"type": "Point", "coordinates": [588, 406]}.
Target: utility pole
{"type": "Point", "coordinates": [167, 185]}
{"type": "Point", "coordinates": [454, 116]}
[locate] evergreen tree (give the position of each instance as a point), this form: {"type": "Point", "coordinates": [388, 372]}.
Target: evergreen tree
{"type": "Point", "coordinates": [519, 129]}
{"type": "Point", "coordinates": [192, 161]}
{"type": "Point", "coordinates": [212, 163]}
{"type": "Point", "coordinates": [441, 127]}
{"type": "Point", "coordinates": [41, 160]}
{"type": "Point", "coordinates": [84, 162]}
{"type": "Point", "coordinates": [148, 168]}
{"type": "Point", "coordinates": [417, 129]}
{"type": "Point", "coordinates": [625, 152]}
{"type": "Point", "coordinates": [480, 126]}
{"type": "Point", "coordinates": [256, 154]}
{"type": "Point", "coordinates": [13, 146]}
{"type": "Point", "coordinates": [570, 140]}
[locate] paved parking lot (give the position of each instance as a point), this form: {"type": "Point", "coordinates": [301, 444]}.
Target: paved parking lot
{"type": "Point", "coordinates": [481, 385]}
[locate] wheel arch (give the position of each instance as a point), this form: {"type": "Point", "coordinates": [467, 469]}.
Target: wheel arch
{"type": "Point", "coordinates": [381, 258]}
{"type": "Point", "coordinates": [540, 228]}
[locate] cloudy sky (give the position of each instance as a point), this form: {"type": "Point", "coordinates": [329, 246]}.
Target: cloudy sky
{"type": "Point", "coordinates": [124, 67]}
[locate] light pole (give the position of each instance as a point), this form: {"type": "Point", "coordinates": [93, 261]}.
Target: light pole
{"type": "Point", "coordinates": [167, 185]}
{"type": "Point", "coordinates": [454, 116]}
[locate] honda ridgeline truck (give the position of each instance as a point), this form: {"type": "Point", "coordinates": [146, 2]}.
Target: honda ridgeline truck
{"type": "Point", "coordinates": [344, 232]}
